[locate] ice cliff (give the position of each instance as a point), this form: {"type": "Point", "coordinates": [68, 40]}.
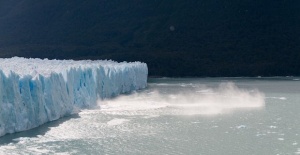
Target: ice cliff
{"type": "Point", "coordinates": [36, 91]}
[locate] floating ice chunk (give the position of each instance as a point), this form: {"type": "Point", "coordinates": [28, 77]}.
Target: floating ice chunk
{"type": "Point", "coordinates": [116, 121]}
{"type": "Point", "coordinates": [280, 98]}
{"type": "Point", "coordinates": [298, 151]}
{"type": "Point", "coordinates": [36, 91]}
{"type": "Point", "coordinates": [241, 126]}
{"type": "Point", "coordinates": [295, 143]}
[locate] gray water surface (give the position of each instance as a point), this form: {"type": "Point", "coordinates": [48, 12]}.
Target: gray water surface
{"type": "Point", "coordinates": [178, 116]}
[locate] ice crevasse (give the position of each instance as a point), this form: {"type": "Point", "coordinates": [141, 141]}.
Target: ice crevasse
{"type": "Point", "coordinates": [36, 91]}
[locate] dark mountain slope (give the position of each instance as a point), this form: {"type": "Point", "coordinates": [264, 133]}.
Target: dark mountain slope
{"type": "Point", "coordinates": [175, 38]}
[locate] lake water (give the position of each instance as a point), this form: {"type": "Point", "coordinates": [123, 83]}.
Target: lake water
{"type": "Point", "coordinates": [178, 116]}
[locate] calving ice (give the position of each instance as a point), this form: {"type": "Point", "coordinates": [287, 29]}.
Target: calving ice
{"type": "Point", "coordinates": [36, 91]}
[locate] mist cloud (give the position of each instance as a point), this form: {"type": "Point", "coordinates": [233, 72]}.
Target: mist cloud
{"type": "Point", "coordinates": [226, 98]}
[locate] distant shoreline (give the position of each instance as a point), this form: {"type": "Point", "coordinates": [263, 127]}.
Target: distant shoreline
{"type": "Point", "coordinates": [257, 77]}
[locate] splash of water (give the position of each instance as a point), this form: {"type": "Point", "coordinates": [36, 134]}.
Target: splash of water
{"type": "Point", "coordinates": [227, 97]}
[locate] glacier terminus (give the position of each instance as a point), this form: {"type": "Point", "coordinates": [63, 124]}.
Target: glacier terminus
{"type": "Point", "coordinates": [36, 91]}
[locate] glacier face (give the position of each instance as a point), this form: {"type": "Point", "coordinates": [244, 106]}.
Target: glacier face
{"type": "Point", "coordinates": [36, 91]}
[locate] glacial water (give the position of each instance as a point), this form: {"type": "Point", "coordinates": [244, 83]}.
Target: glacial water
{"type": "Point", "coordinates": [178, 116]}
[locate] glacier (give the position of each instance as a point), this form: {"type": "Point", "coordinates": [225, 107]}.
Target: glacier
{"type": "Point", "coordinates": [36, 91]}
